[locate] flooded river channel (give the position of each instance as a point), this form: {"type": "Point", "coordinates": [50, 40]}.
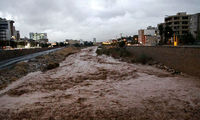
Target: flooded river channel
{"type": "Point", "coordinates": [87, 86]}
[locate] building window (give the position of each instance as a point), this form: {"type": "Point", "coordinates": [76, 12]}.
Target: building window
{"type": "Point", "coordinates": [176, 27]}
{"type": "Point", "coordinates": [176, 23]}
{"type": "Point", "coordinates": [176, 18]}
{"type": "Point", "coordinates": [184, 22]}
{"type": "Point", "coordinates": [185, 27]}
{"type": "Point", "coordinates": [185, 17]}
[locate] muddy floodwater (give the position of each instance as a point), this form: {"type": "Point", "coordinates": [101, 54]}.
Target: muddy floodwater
{"type": "Point", "coordinates": [87, 86]}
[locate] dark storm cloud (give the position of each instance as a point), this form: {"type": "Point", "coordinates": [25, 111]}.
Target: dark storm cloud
{"type": "Point", "coordinates": [86, 19]}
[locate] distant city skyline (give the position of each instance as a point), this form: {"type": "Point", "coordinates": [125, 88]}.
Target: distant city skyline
{"type": "Point", "coordinates": [88, 19]}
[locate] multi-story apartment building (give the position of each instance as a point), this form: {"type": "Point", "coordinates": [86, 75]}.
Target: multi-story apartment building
{"type": "Point", "coordinates": [195, 26]}
{"type": "Point", "coordinates": [179, 23]}
{"type": "Point", "coordinates": [183, 23]}
{"type": "Point", "coordinates": [7, 29]}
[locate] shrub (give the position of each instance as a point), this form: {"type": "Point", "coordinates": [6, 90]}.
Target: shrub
{"type": "Point", "coordinates": [114, 52]}
{"type": "Point", "coordinates": [50, 66]}
{"type": "Point", "coordinates": [77, 45]}
{"type": "Point", "coordinates": [21, 68]}
{"type": "Point", "coordinates": [122, 44]}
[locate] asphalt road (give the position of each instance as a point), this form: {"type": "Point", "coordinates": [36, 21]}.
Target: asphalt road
{"type": "Point", "coordinates": [12, 61]}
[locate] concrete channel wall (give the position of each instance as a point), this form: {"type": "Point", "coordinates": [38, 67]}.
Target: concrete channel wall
{"type": "Point", "coordinates": [7, 54]}
{"type": "Point", "coordinates": [184, 59]}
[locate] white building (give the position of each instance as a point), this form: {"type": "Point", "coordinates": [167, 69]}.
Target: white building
{"type": "Point", "coordinates": [148, 37]}
{"type": "Point", "coordinates": [40, 37]}
{"type": "Point", "coordinates": [152, 31]}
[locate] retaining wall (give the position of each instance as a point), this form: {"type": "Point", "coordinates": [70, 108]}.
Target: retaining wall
{"type": "Point", "coordinates": [184, 59]}
{"type": "Point", "coordinates": [7, 54]}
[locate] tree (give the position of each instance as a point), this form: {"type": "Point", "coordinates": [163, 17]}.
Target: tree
{"type": "Point", "coordinates": [135, 39]}
{"type": "Point", "coordinates": [168, 32]}
{"type": "Point", "coordinates": [77, 45]}
{"type": "Point", "coordinates": [86, 43]}
{"type": "Point", "coordinates": [187, 39]}
{"type": "Point", "coordinates": [198, 36]}
{"type": "Point", "coordinates": [160, 28]}
{"type": "Point", "coordinates": [121, 44]}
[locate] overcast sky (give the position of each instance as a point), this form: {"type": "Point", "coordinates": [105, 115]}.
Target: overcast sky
{"type": "Point", "coordinates": [86, 19]}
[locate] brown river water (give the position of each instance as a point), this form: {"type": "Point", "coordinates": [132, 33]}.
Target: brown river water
{"type": "Point", "coordinates": [87, 86]}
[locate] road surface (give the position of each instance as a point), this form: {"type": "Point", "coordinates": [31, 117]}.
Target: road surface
{"type": "Point", "coordinates": [12, 61]}
{"type": "Point", "coordinates": [87, 86]}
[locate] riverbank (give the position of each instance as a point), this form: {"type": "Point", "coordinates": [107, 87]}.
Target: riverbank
{"type": "Point", "coordinates": [40, 63]}
{"type": "Point", "coordinates": [124, 55]}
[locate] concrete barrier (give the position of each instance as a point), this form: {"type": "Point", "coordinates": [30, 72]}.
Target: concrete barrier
{"type": "Point", "coordinates": [7, 54]}
{"type": "Point", "coordinates": [184, 59]}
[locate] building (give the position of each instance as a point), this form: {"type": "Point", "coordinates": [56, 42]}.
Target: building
{"type": "Point", "coordinates": [179, 23]}
{"type": "Point", "coordinates": [152, 31]}
{"type": "Point", "coordinates": [195, 26]}
{"type": "Point", "coordinates": [7, 30]}
{"type": "Point", "coordinates": [141, 38]}
{"type": "Point", "coordinates": [94, 40]}
{"type": "Point", "coordinates": [148, 37]}
{"type": "Point", "coordinates": [18, 35]}
{"type": "Point", "coordinates": [39, 37]}
{"type": "Point", "coordinates": [182, 24]}
{"type": "Point", "coordinates": [151, 40]}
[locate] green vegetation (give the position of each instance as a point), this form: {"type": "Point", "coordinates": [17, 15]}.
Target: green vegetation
{"type": "Point", "coordinates": [115, 52]}
{"type": "Point", "coordinates": [43, 63]}
{"type": "Point", "coordinates": [12, 74]}
{"type": "Point", "coordinates": [165, 32]}
{"type": "Point", "coordinates": [161, 29]}
{"type": "Point", "coordinates": [168, 32]}
{"type": "Point", "coordinates": [50, 65]}
{"type": "Point", "coordinates": [186, 39]}
{"type": "Point", "coordinates": [122, 44]}
{"type": "Point", "coordinates": [198, 36]}
{"type": "Point", "coordinates": [118, 52]}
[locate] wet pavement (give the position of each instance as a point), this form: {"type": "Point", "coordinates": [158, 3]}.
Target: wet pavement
{"type": "Point", "coordinates": [87, 86]}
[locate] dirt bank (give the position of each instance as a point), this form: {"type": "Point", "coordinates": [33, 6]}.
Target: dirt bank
{"type": "Point", "coordinates": [43, 63]}
{"type": "Point", "coordinates": [124, 55]}
{"type": "Point", "coordinates": [87, 86]}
